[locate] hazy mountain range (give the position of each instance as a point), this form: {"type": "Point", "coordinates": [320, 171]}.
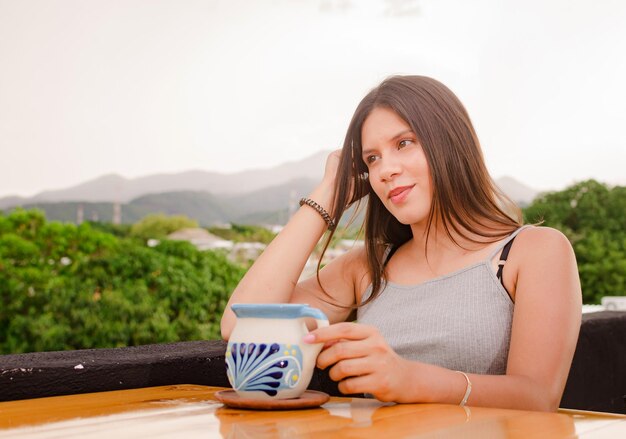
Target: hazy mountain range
{"type": "Point", "coordinates": [115, 188]}
{"type": "Point", "coordinates": [253, 196]}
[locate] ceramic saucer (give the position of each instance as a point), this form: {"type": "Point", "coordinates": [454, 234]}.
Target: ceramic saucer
{"type": "Point", "coordinates": [309, 399]}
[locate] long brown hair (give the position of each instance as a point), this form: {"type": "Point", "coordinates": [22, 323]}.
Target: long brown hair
{"type": "Point", "coordinates": [465, 198]}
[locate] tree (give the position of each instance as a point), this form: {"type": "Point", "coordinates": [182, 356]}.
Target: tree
{"type": "Point", "coordinates": [244, 233]}
{"type": "Point", "coordinates": [158, 226]}
{"type": "Point", "coordinates": [64, 286]}
{"type": "Point", "coordinates": [593, 217]}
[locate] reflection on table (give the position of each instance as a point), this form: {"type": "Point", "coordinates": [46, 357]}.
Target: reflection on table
{"type": "Point", "coordinates": [192, 411]}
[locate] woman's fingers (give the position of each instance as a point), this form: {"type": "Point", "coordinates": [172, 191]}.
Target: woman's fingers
{"type": "Point", "coordinates": [359, 359]}
{"type": "Point", "coordinates": [349, 368]}
{"type": "Point", "coordinates": [330, 343]}
{"type": "Point", "coordinates": [359, 384]}
{"type": "Point", "coordinates": [380, 385]}
{"type": "Point", "coordinates": [342, 350]}
{"type": "Point", "coordinates": [338, 331]}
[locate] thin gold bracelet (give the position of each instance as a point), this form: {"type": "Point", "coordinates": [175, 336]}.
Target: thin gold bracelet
{"type": "Point", "coordinates": [319, 209]}
{"type": "Point", "coordinates": [468, 389]}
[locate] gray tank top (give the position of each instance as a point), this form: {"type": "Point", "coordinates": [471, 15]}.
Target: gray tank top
{"type": "Point", "coordinates": [460, 321]}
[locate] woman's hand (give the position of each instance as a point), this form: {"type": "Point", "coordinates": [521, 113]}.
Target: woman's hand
{"type": "Point", "coordinates": [324, 194]}
{"type": "Point", "coordinates": [332, 166]}
{"type": "Point", "coordinates": [362, 361]}
{"type": "Point", "coordinates": [331, 171]}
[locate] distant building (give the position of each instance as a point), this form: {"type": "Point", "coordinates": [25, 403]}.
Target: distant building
{"type": "Point", "coordinates": [80, 214]}
{"type": "Point", "coordinates": [117, 213]}
{"type": "Point", "coordinates": [200, 238]}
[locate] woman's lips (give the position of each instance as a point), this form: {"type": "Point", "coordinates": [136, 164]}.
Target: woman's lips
{"type": "Point", "coordinates": [399, 194]}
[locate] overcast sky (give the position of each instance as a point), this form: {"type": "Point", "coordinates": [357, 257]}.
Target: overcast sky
{"type": "Point", "coordinates": [135, 87]}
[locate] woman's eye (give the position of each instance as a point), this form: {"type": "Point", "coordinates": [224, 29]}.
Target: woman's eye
{"type": "Point", "coordinates": [370, 159]}
{"type": "Point", "coordinates": [403, 143]}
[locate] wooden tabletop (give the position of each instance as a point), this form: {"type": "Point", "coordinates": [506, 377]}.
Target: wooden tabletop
{"type": "Point", "coordinates": [191, 411]}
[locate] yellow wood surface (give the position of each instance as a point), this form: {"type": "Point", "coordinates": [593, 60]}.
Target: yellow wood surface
{"type": "Point", "coordinates": [191, 411]}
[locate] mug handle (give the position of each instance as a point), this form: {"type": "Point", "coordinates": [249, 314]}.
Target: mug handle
{"type": "Point", "coordinates": [318, 315]}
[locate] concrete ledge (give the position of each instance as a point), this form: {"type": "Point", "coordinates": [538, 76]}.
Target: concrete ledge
{"type": "Point", "coordinates": [597, 380]}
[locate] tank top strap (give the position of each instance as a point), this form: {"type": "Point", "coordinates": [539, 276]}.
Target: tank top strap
{"type": "Point", "coordinates": [388, 253]}
{"type": "Point", "coordinates": [505, 241]}
{"type": "Point", "coordinates": [388, 249]}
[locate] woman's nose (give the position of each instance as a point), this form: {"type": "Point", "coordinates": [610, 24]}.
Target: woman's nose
{"type": "Point", "coordinates": [390, 166]}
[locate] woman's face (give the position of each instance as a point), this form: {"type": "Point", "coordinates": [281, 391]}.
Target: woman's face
{"type": "Point", "coordinates": [397, 166]}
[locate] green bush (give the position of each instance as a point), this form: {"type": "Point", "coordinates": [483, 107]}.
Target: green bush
{"type": "Point", "coordinates": [593, 217]}
{"type": "Point", "coordinates": [244, 233]}
{"type": "Point", "coordinates": [158, 226]}
{"type": "Point", "coordinates": [65, 287]}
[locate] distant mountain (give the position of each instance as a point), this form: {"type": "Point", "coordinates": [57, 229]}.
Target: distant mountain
{"type": "Point", "coordinates": [516, 191]}
{"type": "Point", "coordinates": [270, 199]}
{"type": "Point", "coordinates": [114, 188]}
{"type": "Point", "coordinates": [204, 207]}
{"type": "Point", "coordinates": [12, 201]}
{"type": "Point", "coordinates": [67, 211]}
{"type": "Point", "coordinates": [265, 206]}
{"type": "Point", "coordinates": [271, 205]}
{"type": "Point", "coordinates": [253, 196]}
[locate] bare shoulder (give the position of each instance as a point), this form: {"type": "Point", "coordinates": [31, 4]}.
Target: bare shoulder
{"type": "Point", "coordinates": [546, 264]}
{"type": "Point", "coordinates": [542, 242]}
{"type": "Point", "coordinates": [541, 257]}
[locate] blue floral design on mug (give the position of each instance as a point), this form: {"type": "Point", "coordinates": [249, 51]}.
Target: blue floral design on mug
{"type": "Point", "coordinates": [265, 367]}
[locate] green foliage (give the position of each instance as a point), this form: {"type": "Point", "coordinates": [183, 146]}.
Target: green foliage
{"type": "Point", "coordinates": [158, 226]}
{"type": "Point", "coordinates": [64, 286]}
{"type": "Point", "coordinates": [593, 216]}
{"type": "Point", "coordinates": [244, 233]}
{"type": "Point", "coordinates": [120, 230]}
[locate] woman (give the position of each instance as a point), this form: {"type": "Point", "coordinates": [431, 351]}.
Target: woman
{"type": "Point", "coordinates": [456, 301]}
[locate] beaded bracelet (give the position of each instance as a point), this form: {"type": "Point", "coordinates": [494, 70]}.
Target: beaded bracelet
{"type": "Point", "coordinates": [319, 209]}
{"type": "Point", "coordinates": [468, 389]}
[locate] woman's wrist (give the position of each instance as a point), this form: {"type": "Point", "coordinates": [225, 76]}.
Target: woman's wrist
{"type": "Point", "coordinates": [420, 388]}
{"type": "Point", "coordinates": [320, 210]}
{"type": "Point", "coordinates": [324, 195]}
{"type": "Point", "coordinates": [434, 384]}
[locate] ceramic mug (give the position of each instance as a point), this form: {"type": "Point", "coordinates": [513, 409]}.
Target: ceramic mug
{"type": "Point", "coordinates": [265, 357]}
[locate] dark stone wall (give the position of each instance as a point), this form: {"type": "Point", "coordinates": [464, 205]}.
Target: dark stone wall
{"type": "Point", "coordinates": [597, 379]}
{"type": "Point", "coordinates": [42, 374]}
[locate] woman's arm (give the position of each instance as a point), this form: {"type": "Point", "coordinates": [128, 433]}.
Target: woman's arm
{"type": "Point", "coordinates": [545, 330]}
{"type": "Point", "coordinates": [273, 278]}
{"type": "Point", "coordinates": [547, 316]}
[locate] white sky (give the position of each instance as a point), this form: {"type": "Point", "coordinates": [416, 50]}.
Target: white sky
{"type": "Point", "coordinates": [135, 87]}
